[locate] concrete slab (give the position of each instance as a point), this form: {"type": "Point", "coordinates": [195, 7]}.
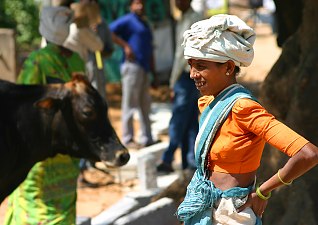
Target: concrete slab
{"type": "Point", "coordinates": [160, 212]}
{"type": "Point", "coordinates": [121, 208]}
{"type": "Point", "coordinates": [160, 115]}
{"type": "Point", "coordinates": [80, 220]}
{"type": "Point", "coordinates": [143, 197]}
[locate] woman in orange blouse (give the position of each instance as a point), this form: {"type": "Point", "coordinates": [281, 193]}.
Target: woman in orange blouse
{"type": "Point", "coordinates": [215, 49]}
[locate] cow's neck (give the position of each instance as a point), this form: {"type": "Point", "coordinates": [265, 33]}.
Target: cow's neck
{"type": "Point", "coordinates": [72, 129]}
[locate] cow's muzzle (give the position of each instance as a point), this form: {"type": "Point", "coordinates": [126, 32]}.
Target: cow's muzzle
{"type": "Point", "coordinates": [121, 158]}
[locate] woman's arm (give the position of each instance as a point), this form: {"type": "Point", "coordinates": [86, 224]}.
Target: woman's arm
{"type": "Point", "coordinates": [296, 166]}
{"type": "Point", "coordinates": [305, 159]}
{"type": "Point", "coordinates": [127, 49]}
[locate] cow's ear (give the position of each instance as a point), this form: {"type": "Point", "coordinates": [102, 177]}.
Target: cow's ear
{"type": "Point", "coordinates": [79, 76]}
{"type": "Point", "coordinates": [48, 104]}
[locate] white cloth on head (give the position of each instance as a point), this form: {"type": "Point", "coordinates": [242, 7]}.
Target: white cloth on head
{"type": "Point", "coordinates": [55, 23]}
{"type": "Point", "coordinates": [82, 40]}
{"type": "Point", "coordinates": [220, 38]}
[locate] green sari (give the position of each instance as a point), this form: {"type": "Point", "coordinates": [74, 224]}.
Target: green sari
{"type": "Point", "coordinates": [48, 195]}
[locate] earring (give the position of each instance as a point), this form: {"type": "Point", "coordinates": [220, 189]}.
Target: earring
{"type": "Point", "coordinates": [227, 74]}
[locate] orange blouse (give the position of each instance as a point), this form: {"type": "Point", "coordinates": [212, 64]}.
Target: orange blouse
{"type": "Point", "coordinates": [239, 142]}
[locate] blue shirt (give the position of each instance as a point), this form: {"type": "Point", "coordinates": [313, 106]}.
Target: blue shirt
{"type": "Point", "coordinates": [137, 34]}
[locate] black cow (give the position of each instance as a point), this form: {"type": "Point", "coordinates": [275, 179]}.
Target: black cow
{"type": "Point", "coordinates": [39, 121]}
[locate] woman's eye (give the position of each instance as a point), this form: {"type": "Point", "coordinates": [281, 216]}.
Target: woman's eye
{"type": "Point", "coordinates": [199, 68]}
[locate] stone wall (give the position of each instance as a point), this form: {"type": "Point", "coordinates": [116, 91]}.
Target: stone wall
{"type": "Point", "coordinates": [8, 65]}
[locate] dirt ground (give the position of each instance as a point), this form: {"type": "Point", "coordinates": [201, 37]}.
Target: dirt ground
{"type": "Point", "coordinates": [92, 201]}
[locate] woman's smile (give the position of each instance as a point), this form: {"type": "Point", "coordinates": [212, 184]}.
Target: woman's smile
{"type": "Point", "coordinates": [210, 77]}
{"type": "Point", "coordinates": [199, 84]}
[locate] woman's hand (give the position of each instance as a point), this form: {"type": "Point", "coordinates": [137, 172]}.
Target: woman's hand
{"type": "Point", "coordinates": [172, 94]}
{"type": "Point", "coordinates": [257, 204]}
{"type": "Point", "coordinates": [129, 53]}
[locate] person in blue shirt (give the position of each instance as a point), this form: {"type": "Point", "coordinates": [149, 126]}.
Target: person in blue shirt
{"type": "Point", "coordinates": [183, 125]}
{"type": "Point", "coordinates": [134, 35]}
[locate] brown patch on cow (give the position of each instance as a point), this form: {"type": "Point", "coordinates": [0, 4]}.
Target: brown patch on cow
{"type": "Point", "coordinates": [69, 85]}
{"type": "Point", "coordinates": [46, 103]}
{"type": "Point", "coordinates": [80, 87]}
{"type": "Point", "coordinates": [80, 77]}
{"type": "Point", "coordinates": [78, 83]}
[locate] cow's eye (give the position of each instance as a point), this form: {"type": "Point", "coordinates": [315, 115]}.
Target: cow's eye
{"type": "Point", "coordinates": [87, 113]}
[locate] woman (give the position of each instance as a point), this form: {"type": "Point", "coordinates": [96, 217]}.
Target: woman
{"type": "Point", "coordinates": [48, 194]}
{"type": "Point", "coordinates": [233, 130]}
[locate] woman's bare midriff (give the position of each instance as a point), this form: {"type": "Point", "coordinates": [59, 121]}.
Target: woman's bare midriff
{"type": "Point", "coordinates": [225, 181]}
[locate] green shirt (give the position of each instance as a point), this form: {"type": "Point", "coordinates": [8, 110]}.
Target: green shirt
{"type": "Point", "coordinates": [48, 195]}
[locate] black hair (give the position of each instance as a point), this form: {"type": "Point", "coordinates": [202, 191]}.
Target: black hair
{"type": "Point", "coordinates": [68, 3]}
{"type": "Point", "coordinates": [132, 1]}
{"type": "Point", "coordinates": [237, 70]}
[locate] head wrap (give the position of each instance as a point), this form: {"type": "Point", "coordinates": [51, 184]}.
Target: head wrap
{"type": "Point", "coordinates": [220, 38]}
{"type": "Point", "coordinates": [55, 23]}
{"type": "Point", "coordinates": [86, 14]}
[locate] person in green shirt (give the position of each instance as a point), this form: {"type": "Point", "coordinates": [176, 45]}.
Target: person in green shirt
{"type": "Point", "coordinates": [48, 195]}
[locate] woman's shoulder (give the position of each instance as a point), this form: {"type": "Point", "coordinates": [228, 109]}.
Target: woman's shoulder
{"type": "Point", "coordinates": [38, 57]}
{"type": "Point", "coordinates": [246, 105]}
{"type": "Point", "coordinates": [38, 53]}
{"type": "Point", "coordinates": [127, 18]}
{"type": "Point", "coordinates": [49, 51]}
{"type": "Point", "coordinates": [241, 106]}
{"type": "Point", "coordinates": [204, 101]}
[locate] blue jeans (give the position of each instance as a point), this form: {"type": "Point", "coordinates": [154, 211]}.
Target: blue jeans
{"type": "Point", "coordinates": [183, 127]}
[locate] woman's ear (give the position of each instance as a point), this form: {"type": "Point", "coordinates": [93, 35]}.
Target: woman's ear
{"type": "Point", "coordinates": [230, 67]}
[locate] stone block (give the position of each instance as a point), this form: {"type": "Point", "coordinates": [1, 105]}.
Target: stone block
{"type": "Point", "coordinates": [160, 212]}
{"type": "Point", "coordinates": [121, 208]}
{"type": "Point", "coordinates": [147, 172]}
{"type": "Point", "coordinates": [82, 220]}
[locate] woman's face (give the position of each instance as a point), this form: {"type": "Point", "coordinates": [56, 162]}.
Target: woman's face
{"type": "Point", "coordinates": [209, 77]}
